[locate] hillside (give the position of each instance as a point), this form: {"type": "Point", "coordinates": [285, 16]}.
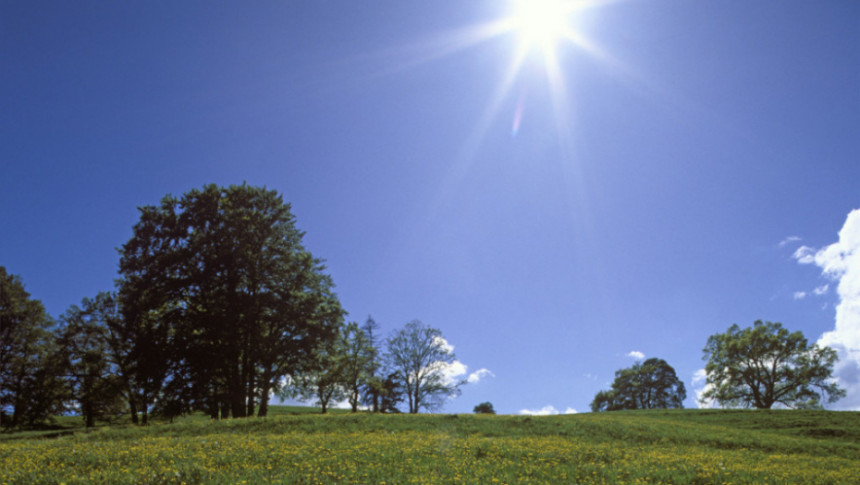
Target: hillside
{"type": "Point", "coordinates": [672, 447]}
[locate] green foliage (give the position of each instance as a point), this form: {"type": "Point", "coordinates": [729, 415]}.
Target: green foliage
{"type": "Point", "coordinates": [652, 384]}
{"type": "Point", "coordinates": [91, 362]}
{"type": "Point", "coordinates": [358, 354]}
{"type": "Point", "coordinates": [484, 408]}
{"type": "Point", "coordinates": [218, 285]}
{"type": "Point", "coordinates": [374, 385]}
{"type": "Point", "coordinates": [323, 377]}
{"type": "Point", "coordinates": [31, 388]}
{"type": "Point", "coordinates": [765, 364]}
{"type": "Point", "coordinates": [420, 356]}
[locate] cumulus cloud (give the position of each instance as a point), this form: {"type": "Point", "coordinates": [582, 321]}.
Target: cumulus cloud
{"type": "Point", "coordinates": [788, 240]}
{"type": "Point", "coordinates": [443, 344]}
{"type": "Point", "coordinates": [479, 374]}
{"type": "Point", "coordinates": [840, 262]}
{"type": "Point", "coordinates": [451, 373]}
{"type": "Point", "coordinates": [799, 295]}
{"type": "Point", "coordinates": [457, 371]}
{"type": "Point", "coordinates": [548, 410]}
{"type": "Point", "coordinates": [636, 355]}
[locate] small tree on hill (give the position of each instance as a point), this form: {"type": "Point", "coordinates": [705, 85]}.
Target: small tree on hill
{"type": "Point", "coordinates": [765, 364]}
{"type": "Point", "coordinates": [420, 356]}
{"type": "Point", "coordinates": [652, 384]}
{"type": "Point", "coordinates": [484, 408]}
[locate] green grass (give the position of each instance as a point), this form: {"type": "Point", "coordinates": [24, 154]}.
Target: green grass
{"type": "Point", "coordinates": [296, 445]}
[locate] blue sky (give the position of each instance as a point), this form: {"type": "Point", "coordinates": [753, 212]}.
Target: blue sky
{"type": "Point", "coordinates": [672, 165]}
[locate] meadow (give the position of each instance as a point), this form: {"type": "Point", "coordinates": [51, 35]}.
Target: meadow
{"type": "Point", "coordinates": [296, 447]}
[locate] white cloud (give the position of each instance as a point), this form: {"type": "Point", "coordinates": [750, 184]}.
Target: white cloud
{"type": "Point", "coordinates": [804, 255]}
{"type": "Point", "coordinates": [451, 373]}
{"type": "Point", "coordinates": [479, 374]}
{"type": "Point", "coordinates": [544, 411]}
{"type": "Point", "coordinates": [840, 261]}
{"type": "Point", "coordinates": [799, 295]}
{"type": "Point", "coordinates": [443, 344]}
{"type": "Point", "coordinates": [789, 240]}
{"type": "Point", "coordinates": [821, 290]}
{"type": "Point", "coordinates": [570, 411]}
{"type": "Point", "coordinates": [700, 385]}
{"type": "Point", "coordinates": [636, 355]}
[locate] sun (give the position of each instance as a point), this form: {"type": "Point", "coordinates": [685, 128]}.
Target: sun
{"type": "Point", "coordinates": [541, 23]}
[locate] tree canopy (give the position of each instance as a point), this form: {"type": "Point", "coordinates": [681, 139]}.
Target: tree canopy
{"type": "Point", "coordinates": [652, 384]}
{"type": "Point", "coordinates": [30, 386]}
{"type": "Point", "coordinates": [484, 408]}
{"type": "Point", "coordinates": [220, 278]}
{"type": "Point", "coordinates": [420, 356]}
{"type": "Point", "coordinates": [764, 365]}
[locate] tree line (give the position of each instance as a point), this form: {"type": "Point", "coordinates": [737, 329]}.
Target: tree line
{"type": "Point", "coordinates": [755, 367]}
{"type": "Point", "coordinates": [217, 307]}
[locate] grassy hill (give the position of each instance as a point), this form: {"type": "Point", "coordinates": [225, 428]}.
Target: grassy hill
{"type": "Point", "coordinates": [690, 446]}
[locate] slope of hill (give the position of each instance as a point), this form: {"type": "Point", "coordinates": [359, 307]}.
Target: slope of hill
{"type": "Point", "coordinates": [670, 447]}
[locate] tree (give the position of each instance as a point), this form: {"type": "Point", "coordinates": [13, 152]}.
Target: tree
{"type": "Point", "coordinates": [764, 365]}
{"type": "Point", "coordinates": [390, 393]}
{"type": "Point", "coordinates": [356, 363]}
{"type": "Point", "coordinates": [92, 368]}
{"type": "Point", "coordinates": [652, 384]}
{"type": "Point", "coordinates": [219, 284]}
{"type": "Point", "coordinates": [421, 357]}
{"type": "Point", "coordinates": [374, 384]}
{"type": "Point", "coordinates": [484, 408]}
{"type": "Point", "coordinates": [31, 388]}
{"type": "Point", "coordinates": [323, 380]}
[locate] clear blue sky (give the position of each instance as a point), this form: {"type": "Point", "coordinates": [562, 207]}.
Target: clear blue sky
{"type": "Point", "coordinates": [637, 203]}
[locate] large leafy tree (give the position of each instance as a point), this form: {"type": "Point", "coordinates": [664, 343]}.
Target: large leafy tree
{"type": "Point", "coordinates": [220, 278]}
{"type": "Point", "coordinates": [31, 387]}
{"type": "Point", "coordinates": [420, 357]}
{"type": "Point", "coordinates": [764, 365]}
{"type": "Point", "coordinates": [652, 384]}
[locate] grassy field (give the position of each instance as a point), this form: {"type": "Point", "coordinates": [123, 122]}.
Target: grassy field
{"type": "Point", "coordinates": [696, 447]}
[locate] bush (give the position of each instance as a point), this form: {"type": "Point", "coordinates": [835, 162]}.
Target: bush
{"type": "Point", "coordinates": [484, 408]}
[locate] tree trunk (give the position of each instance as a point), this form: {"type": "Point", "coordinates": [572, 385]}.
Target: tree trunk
{"type": "Point", "coordinates": [265, 386]}
{"type": "Point", "coordinates": [250, 395]}
{"type": "Point", "coordinates": [263, 411]}
{"type": "Point", "coordinates": [225, 407]}
{"type": "Point", "coordinates": [236, 392]}
{"type": "Point", "coordinates": [132, 408]}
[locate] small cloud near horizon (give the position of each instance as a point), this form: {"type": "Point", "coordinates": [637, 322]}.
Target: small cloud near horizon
{"type": "Point", "coordinates": [636, 354]}
{"type": "Point", "coordinates": [479, 374]}
{"type": "Point", "coordinates": [548, 410]}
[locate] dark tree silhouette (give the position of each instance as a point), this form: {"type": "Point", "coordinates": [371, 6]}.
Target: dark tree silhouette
{"type": "Point", "coordinates": [647, 385]}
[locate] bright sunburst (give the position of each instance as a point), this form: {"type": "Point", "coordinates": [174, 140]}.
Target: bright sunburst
{"type": "Point", "coordinates": [541, 22]}
{"type": "Point", "coordinates": [543, 29]}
